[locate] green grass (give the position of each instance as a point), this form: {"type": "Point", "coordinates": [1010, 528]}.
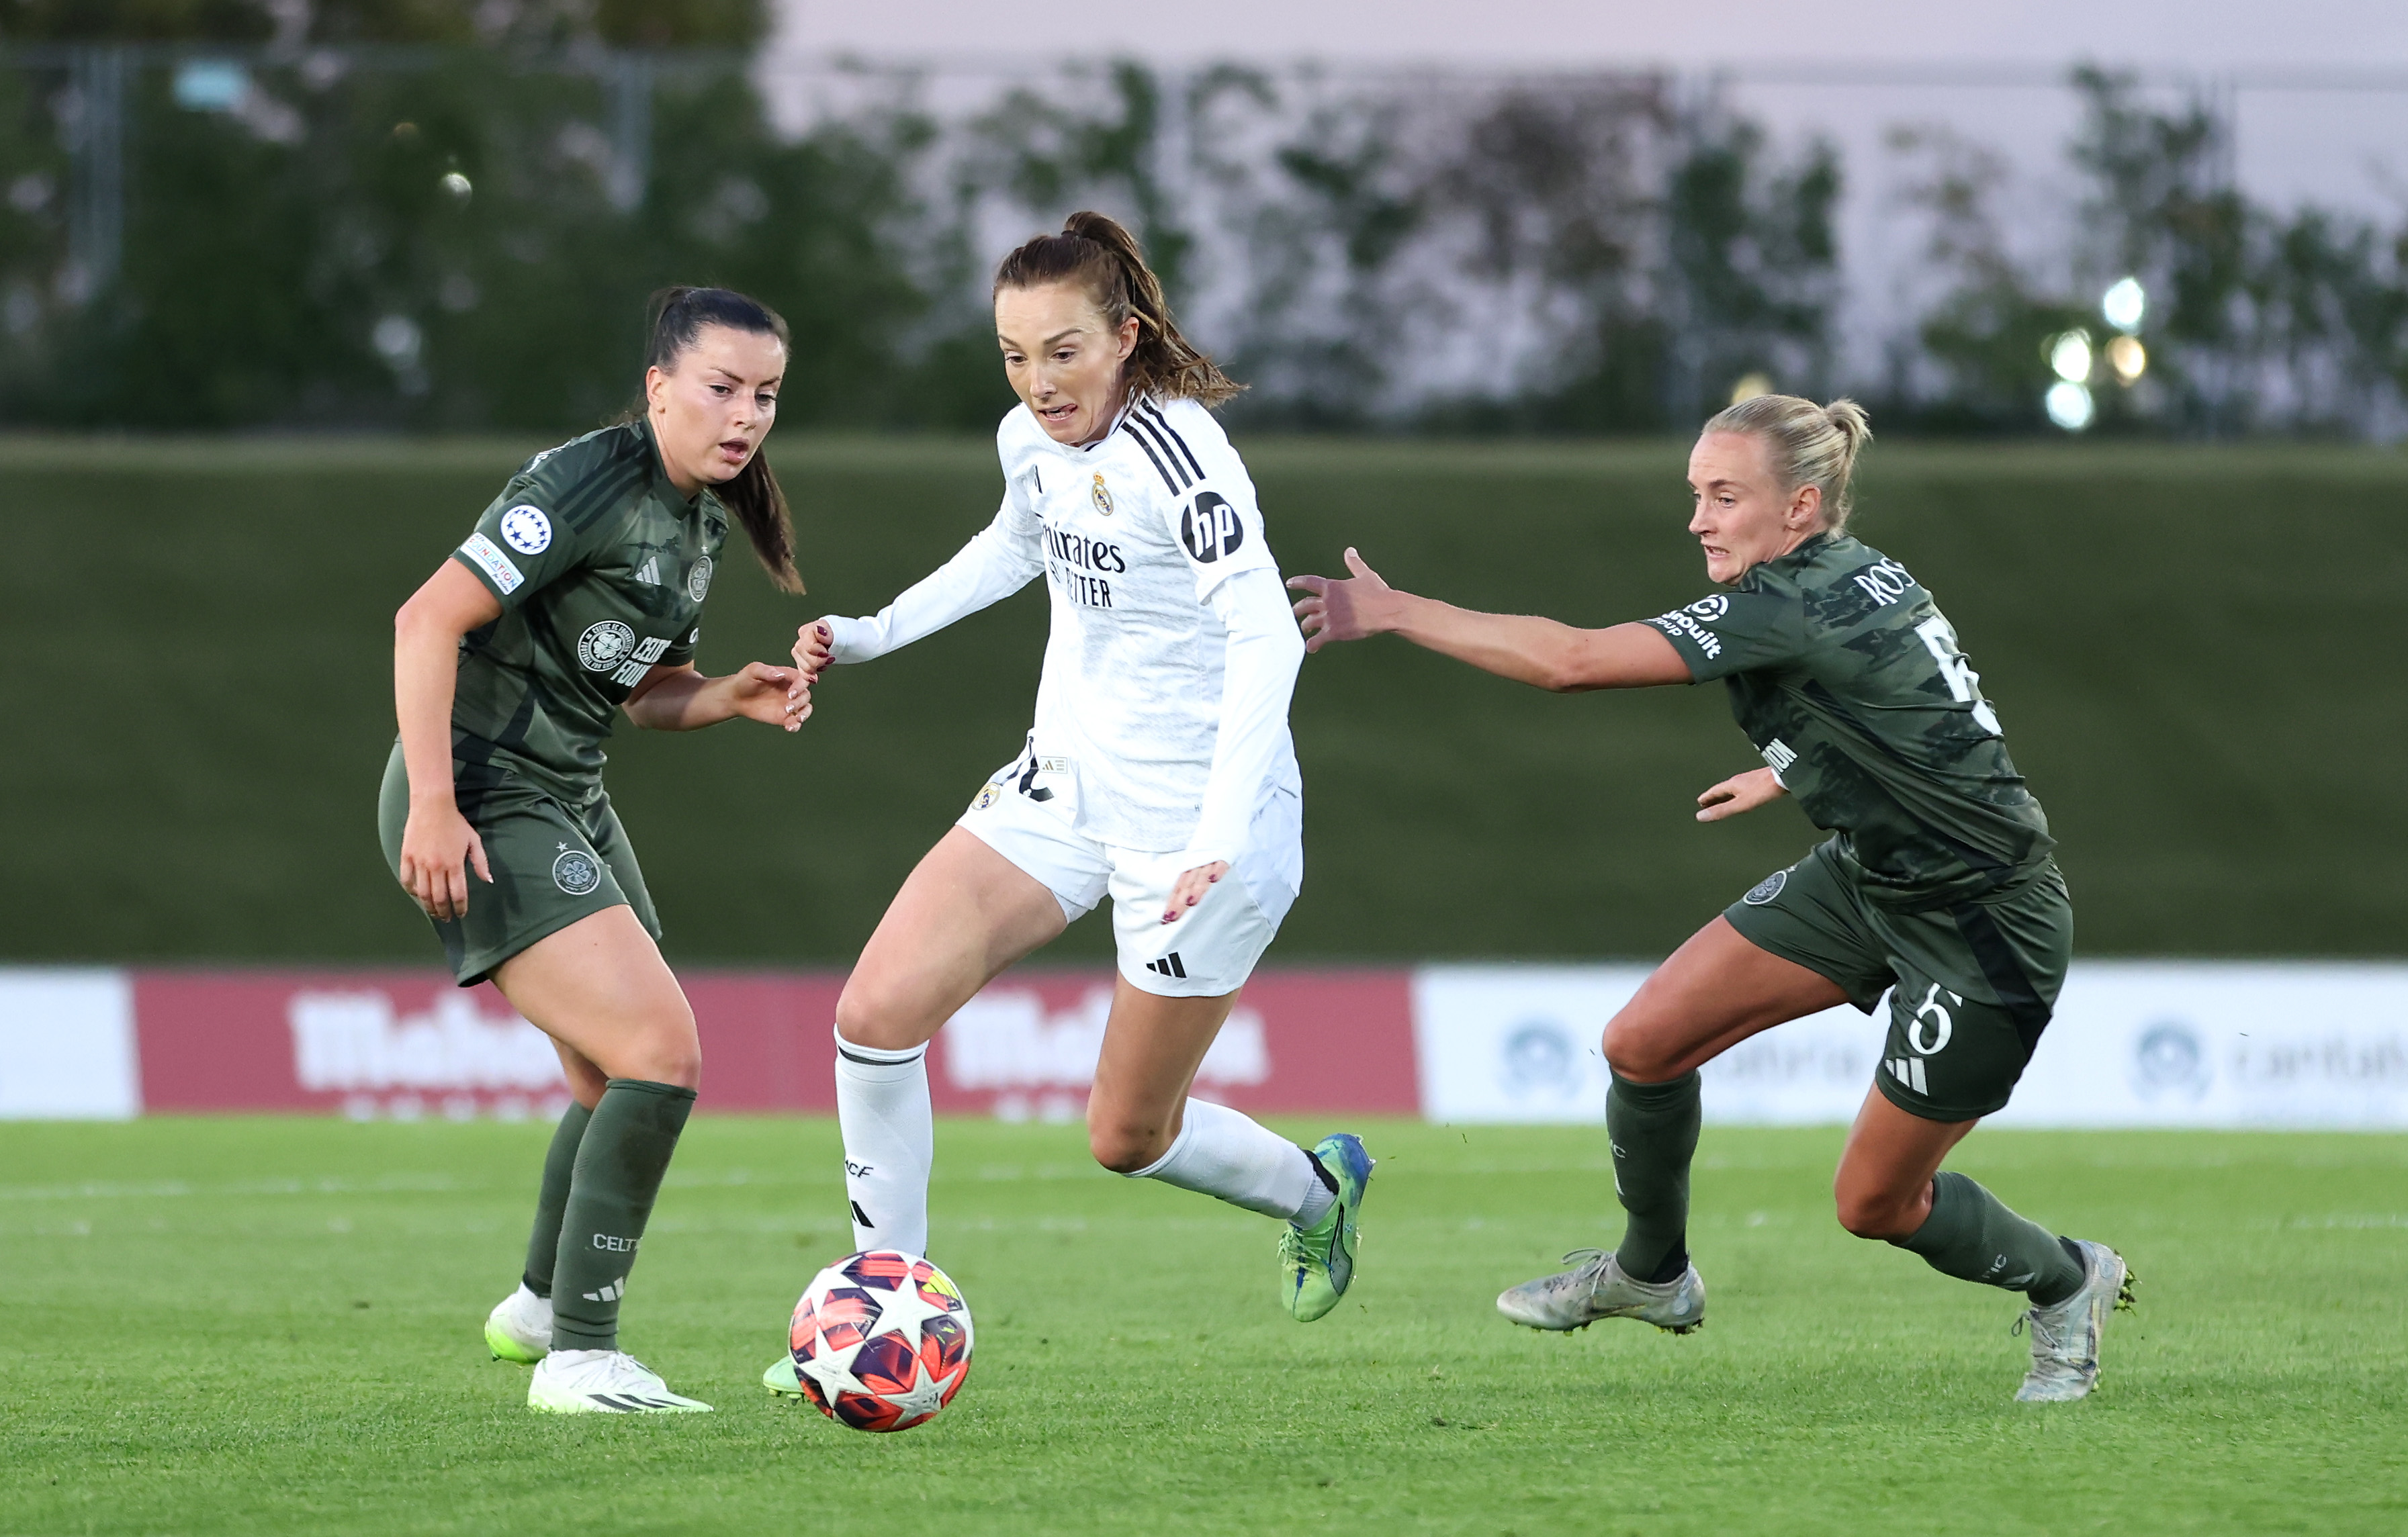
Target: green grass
{"type": "Point", "coordinates": [2190, 648]}
{"type": "Point", "coordinates": [266, 1326]}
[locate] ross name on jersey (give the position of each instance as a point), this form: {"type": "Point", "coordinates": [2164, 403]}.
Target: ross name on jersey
{"type": "Point", "coordinates": [1076, 563]}
{"type": "Point", "coordinates": [1885, 583]}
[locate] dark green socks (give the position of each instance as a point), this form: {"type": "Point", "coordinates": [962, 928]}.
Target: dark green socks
{"type": "Point", "coordinates": [1971, 1235]}
{"type": "Point", "coordinates": [617, 1176]}
{"type": "Point", "coordinates": [551, 1201]}
{"type": "Point", "coordinates": [1654, 1129]}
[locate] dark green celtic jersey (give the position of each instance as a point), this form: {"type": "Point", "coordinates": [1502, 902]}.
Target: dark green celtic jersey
{"type": "Point", "coordinates": [601, 568]}
{"type": "Point", "coordinates": [1849, 680]}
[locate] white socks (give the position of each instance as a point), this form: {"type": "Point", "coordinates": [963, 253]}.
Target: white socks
{"type": "Point", "coordinates": [882, 1103]}
{"type": "Point", "coordinates": [1220, 1152]}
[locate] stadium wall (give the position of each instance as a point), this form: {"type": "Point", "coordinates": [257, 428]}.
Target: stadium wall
{"type": "Point", "coordinates": [2135, 1044]}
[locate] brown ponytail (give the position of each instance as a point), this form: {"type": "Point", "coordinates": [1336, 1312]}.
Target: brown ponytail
{"type": "Point", "coordinates": [754, 496]}
{"type": "Point", "coordinates": [1098, 254]}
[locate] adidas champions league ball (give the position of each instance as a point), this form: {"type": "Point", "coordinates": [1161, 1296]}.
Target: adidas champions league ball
{"type": "Point", "coordinates": [881, 1340]}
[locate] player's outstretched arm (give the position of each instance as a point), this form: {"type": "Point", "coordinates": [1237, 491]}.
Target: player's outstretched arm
{"type": "Point", "coordinates": [1538, 651]}
{"type": "Point", "coordinates": [680, 699]}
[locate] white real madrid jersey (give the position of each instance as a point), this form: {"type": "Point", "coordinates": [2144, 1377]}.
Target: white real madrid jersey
{"type": "Point", "coordinates": [1133, 533]}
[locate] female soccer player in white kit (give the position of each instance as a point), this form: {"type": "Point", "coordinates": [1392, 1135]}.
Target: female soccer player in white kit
{"type": "Point", "coordinates": [1159, 770]}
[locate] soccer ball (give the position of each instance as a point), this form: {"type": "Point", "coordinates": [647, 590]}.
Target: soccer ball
{"type": "Point", "coordinates": [882, 1340]}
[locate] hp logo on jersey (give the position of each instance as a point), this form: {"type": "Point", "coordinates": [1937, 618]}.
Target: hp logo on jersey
{"type": "Point", "coordinates": [1210, 528]}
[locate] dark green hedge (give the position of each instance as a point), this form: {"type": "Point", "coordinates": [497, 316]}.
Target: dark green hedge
{"type": "Point", "coordinates": [2195, 653]}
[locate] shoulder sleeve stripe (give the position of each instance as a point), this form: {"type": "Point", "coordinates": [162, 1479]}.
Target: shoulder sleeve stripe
{"type": "Point", "coordinates": [1162, 424]}
{"type": "Point", "coordinates": [1130, 427]}
{"type": "Point", "coordinates": [602, 487]}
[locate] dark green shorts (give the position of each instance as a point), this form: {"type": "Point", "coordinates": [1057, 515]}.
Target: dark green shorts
{"type": "Point", "coordinates": [552, 863]}
{"type": "Point", "coordinates": [1971, 985]}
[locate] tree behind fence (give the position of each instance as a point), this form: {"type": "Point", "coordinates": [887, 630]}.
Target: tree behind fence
{"type": "Point", "coordinates": [463, 237]}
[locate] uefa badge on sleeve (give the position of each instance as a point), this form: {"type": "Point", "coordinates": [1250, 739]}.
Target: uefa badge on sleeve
{"type": "Point", "coordinates": [526, 529]}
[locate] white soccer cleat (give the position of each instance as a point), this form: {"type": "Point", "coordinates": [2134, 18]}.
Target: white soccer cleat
{"type": "Point", "coordinates": [2065, 1338]}
{"type": "Point", "coordinates": [1598, 1288]}
{"type": "Point", "coordinates": [603, 1382]}
{"type": "Point", "coordinates": [520, 1328]}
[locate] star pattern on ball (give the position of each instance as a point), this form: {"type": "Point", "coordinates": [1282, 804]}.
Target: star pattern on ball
{"type": "Point", "coordinates": [928, 1394]}
{"type": "Point", "coordinates": [902, 1311]}
{"type": "Point", "coordinates": [833, 1370]}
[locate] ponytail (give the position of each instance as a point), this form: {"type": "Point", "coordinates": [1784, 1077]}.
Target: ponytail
{"type": "Point", "coordinates": [1098, 254]}
{"type": "Point", "coordinates": [1807, 445]}
{"type": "Point", "coordinates": [754, 496]}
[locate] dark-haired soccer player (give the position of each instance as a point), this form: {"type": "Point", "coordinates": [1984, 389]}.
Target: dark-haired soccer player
{"type": "Point", "coordinates": [1159, 770]}
{"type": "Point", "coordinates": [579, 598]}
{"type": "Point", "coordinates": [1937, 883]}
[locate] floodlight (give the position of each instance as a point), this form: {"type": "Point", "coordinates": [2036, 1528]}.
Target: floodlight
{"type": "Point", "coordinates": [2069, 405]}
{"type": "Point", "coordinates": [2069, 356]}
{"type": "Point", "coordinates": [2124, 304]}
{"type": "Point", "coordinates": [2128, 357]}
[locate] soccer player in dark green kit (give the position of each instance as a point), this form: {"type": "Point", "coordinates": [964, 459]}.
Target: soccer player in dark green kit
{"type": "Point", "coordinates": [1937, 883]}
{"type": "Point", "coordinates": [577, 598]}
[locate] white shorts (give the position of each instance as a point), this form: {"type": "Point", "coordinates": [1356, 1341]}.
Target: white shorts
{"type": "Point", "coordinates": [1028, 819]}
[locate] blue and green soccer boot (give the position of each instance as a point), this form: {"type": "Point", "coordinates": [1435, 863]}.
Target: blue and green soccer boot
{"type": "Point", "coordinates": [1317, 1263]}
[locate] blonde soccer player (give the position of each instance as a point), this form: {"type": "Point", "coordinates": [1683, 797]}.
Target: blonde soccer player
{"type": "Point", "coordinates": [1937, 884]}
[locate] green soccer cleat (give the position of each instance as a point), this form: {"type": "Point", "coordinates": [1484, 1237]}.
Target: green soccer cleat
{"type": "Point", "coordinates": [1317, 1263]}
{"type": "Point", "coordinates": [520, 1328]}
{"type": "Point", "coordinates": [782, 1379]}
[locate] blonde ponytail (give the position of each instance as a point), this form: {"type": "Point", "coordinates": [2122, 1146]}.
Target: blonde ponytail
{"type": "Point", "coordinates": [1808, 445]}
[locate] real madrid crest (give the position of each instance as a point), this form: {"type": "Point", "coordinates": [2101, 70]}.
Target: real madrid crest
{"type": "Point", "coordinates": [1101, 495]}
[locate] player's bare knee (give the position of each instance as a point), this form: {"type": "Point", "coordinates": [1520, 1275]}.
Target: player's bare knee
{"type": "Point", "coordinates": [1633, 1050]}
{"type": "Point", "coordinates": [879, 1013]}
{"type": "Point", "coordinates": [1871, 1216]}
{"type": "Point", "coordinates": [1123, 1148]}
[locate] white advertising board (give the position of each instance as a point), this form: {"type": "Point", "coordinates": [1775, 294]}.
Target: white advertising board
{"type": "Point", "coordinates": [1521, 1043]}
{"type": "Point", "coordinates": [67, 1046]}
{"type": "Point", "coordinates": [2134, 1043]}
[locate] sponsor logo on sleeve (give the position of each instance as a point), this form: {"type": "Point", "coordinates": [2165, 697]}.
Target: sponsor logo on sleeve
{"type": "Point", "coordinates": [1681, 624]}
{"type": "Point", "coordinates": [1210, 528]}
{"type": "Point", "coordinates": [605, 645]}
{"type": "Point", "coordinates": [1710, 609]}
{"type": "Point", "coordinates": [576, 871]}
{"type": "Point", "coordinates": [697, 581]}
{"type": "Point", "coordinates": [490, 560]}
{"type": "Point", "coordinates": [526, 529]}
{"type": "Point", "coordinates": [1778, 756]}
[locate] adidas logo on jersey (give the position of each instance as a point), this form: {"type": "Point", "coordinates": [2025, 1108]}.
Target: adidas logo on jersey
{"type": "Point", "coordinates": [650, 572]}
{"type": "Point", "coordinates": [1168, 966]}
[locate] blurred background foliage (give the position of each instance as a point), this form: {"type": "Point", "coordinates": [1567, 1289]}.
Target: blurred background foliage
{"type": "Point", "coordinates": [445, 214]}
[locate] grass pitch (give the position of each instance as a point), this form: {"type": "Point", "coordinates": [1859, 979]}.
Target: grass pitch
{"type": "Point", "coordinates": [268, 1326]}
